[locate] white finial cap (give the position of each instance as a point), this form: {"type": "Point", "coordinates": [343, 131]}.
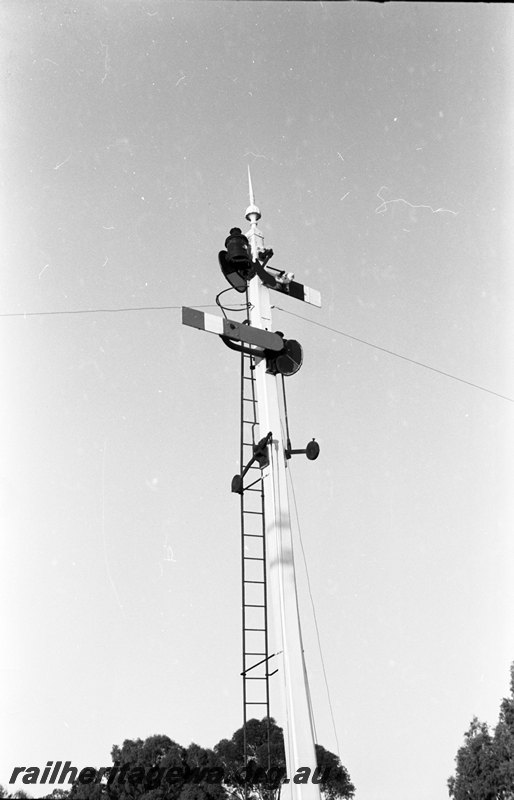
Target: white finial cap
{"type": "Point", "coordinates": [252, 208]}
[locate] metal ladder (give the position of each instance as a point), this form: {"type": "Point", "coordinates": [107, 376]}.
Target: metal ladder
{"type": "Point", "coordinates": [255, 654]}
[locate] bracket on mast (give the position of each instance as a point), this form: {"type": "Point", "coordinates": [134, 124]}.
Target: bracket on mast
{"type": "Point", "coordinates": [261, 455]}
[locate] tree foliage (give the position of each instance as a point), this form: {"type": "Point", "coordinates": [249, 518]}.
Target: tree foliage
{"type": "Point", "coordinates": [485, 763]}
{"type": "Point", "coordinates": [160, 769]}
{"type": "Point", "coordinates": [338, 783]}
{"type": "Point", "coordinates": [335, 783]}
{"type": "Point", "coordinates": [230, 753]}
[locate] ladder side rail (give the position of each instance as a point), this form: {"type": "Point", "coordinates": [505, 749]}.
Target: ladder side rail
{"type": "Point", "coordinates": [249, 438]}
{"type": "Point", "coordinates": [242, 524]}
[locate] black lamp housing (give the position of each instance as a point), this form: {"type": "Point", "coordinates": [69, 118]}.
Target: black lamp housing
{"type": "Point", "coordinates": [236, 261]}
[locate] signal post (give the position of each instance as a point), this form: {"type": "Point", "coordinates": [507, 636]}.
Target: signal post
{"type": "Point", "coordinates": [245, 267]}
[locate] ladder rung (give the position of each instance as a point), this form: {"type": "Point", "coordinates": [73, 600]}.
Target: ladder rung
{"type": "Point", "coordinates": [255, 654]}
{"type": "Point", "coordinates": [254, 703]}
{"type": "Point", "coordinates": [256, 629]}
{"type": "Point", "coordinates": [254, 535]}
{"type": "Point", "coordinates": [250, 400]}
{"type": "Point", "coordinates": [253, 558]}
{"type": "Point", "coordinates": [253, 490]}
{"type": "Point", "coordinates": [259, 513]}
{"type": "Point", "coordinates": [254, 605]}
{"type": "Point", "coordinates": [263, 678]}
{"type": "Point", "coordinates": [247, 581]}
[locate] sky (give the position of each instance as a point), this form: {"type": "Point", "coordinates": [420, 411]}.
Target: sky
{"type": "Point", "coordinates": [379, 137]}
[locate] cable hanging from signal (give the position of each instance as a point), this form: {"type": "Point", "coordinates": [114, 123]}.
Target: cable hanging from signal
{"type": "Point", "coordinates": [243, 307]}
{"type": "Point", "coordinates": [314, 612]}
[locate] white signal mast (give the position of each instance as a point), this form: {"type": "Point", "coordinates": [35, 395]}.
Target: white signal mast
{"type": "Point", "coordinates": [298, 728]}
{"type": "Point", "coordinates": [245, 267]}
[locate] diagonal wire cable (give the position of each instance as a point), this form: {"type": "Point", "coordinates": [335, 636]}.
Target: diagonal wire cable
{"type": "Point", "coordinates": [397, 355]}
{"type": "Point", "coordinates": [314, 612]}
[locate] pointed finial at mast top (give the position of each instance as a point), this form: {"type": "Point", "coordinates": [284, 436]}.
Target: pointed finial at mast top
{"type": "Point", "coordinates": [252, 209]}
{"type": "Point", "coordinates": [250, 187]}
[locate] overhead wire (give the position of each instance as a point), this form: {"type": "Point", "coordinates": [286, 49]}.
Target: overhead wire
{"type": "Point", "coordinates": [397, 355]}
{"type": "Point", "coordinates": [234, 307]}
{"type": "Point", "coordinates": [108, 310]}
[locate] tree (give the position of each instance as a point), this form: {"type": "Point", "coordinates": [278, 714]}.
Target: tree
{"type": "Point", "coordinates": [504, 745]}
{"type": "Point", "coordinates": [143, 770]}
{"type": "Point", "coordinates": [475, 765]}
{"type": "Point", "coordinates": [338, 783]}
{"type": "Point", "coordinates": [160, 769]}
{"type": "Point", "coordinates": [230, 754]}
{"type": "Point", "coordinates": [485, 763]}
{"type": "Point", "coordinates": [335, 783]}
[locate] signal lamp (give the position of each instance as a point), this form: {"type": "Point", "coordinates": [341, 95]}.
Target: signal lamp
{"type": "Point", "coordinates": [236, 261]}
{"type": "Point", "coordinates": [238, 248]}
